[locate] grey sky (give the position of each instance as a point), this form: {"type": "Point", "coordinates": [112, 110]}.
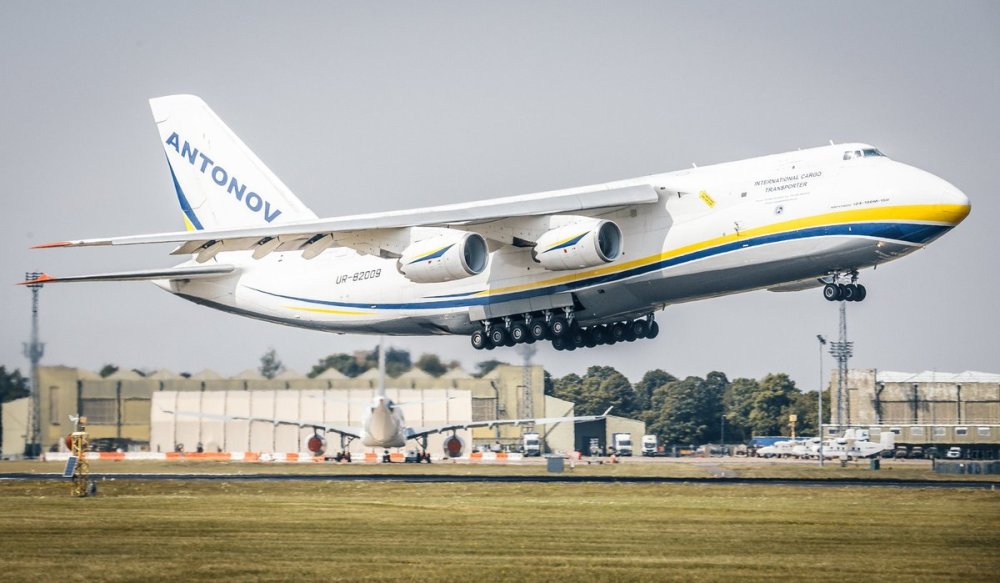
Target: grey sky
{"type": "Point", "coordinates": [363, 108]}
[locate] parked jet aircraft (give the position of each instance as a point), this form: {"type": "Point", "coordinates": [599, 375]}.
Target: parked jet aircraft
{"type": "Point", "coordinates": [384, 426]}
{"type": "Point", "coordinates": [580, 267]}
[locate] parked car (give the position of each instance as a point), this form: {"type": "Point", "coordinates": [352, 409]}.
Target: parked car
{"type": "Point", "coordinates": [932, 453]}
{"type": "Point", "coordinates": [901, 453]}
{"type": "Point", "coordinates": [917, 452]}
{"type": "Point", "coordinates": [954, 453]}
{"type": "Point", "coordinates": [887, 453]}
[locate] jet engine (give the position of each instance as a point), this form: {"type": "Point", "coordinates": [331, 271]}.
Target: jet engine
{"type": "Point", "coordinates": [579, 245]}
{"type": "Point", "coordinates": [316, 444]}
{"type": "Point", "coordinates": [445, 257]}
{"type": "Point", "coordinates": [453, 446]}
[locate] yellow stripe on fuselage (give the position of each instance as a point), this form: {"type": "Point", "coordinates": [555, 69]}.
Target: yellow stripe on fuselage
{"type": "Point", "coordinates": [950, 214]}
{"type": "Point", "coordinates": [329, 311]}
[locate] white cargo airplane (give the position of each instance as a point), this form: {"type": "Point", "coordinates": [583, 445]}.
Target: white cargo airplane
{"type": "Point", "coordinates": [580, 267]}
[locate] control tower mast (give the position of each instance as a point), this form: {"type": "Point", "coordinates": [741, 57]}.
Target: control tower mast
{"type": "Point", "coordinates": [842, 350]}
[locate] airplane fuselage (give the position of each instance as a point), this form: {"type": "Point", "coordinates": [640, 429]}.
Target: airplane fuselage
{"type": "Point", "coordinates": [715, 230]}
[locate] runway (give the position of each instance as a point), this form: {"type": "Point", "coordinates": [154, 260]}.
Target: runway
{"type": "Point", "coordinates": [544, 479]}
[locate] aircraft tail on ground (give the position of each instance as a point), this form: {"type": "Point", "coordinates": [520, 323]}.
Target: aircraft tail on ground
{"type": "Point", "coordinates": [220, 183]}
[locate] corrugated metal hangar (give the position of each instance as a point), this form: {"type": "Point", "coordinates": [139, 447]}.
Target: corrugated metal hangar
{"type": "Point", "coordinates": [924, 409]}
{"type": "Point", "coordinates": [126, 410]}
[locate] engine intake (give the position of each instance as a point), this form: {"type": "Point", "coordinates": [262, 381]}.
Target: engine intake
{"type": "Point", "coordinates": [444, 258]}
{"type": "Point", "coordinates": [579, 245]}
{"type": "Point", "coordinates": [453, 446]}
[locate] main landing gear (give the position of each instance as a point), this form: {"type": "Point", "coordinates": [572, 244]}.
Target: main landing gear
{"type": "Point", "coordinates": [562, 330]}
{"type": "Point", "coordinates": [844, 292]}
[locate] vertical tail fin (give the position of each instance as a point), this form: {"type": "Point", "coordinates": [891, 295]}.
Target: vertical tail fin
{"type": "Point", "coordinates": [220, 183]}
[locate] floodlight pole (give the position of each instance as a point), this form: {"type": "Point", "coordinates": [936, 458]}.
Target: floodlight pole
{"type": "Point", "coordinates": [33, 351]}
{"type": "Point", "coordinates": [822, 343]}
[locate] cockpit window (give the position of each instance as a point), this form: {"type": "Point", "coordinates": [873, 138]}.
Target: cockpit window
{"type": "Point", "coordinates": [866, 153]}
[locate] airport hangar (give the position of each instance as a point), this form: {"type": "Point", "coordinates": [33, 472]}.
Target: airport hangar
{"type": "Point", "coordinates": [125, 409]}
{"type": "Point", "coordinates": [926, 409]}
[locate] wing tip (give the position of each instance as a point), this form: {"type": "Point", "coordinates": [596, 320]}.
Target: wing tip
{"type": "Point", "coordinates": [40, 278]}
{"type": "Point", "coordinates": [52, 245]}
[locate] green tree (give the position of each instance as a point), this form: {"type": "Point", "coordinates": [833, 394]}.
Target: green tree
{"type": "Point", "coordinates": [397, 361]}
{"type": "Point", "coordinates": [431, 364]}
{"type": "Point", "coordinates": [650, 381]}
{"type": "Point", "coordinates": [12, 386]}
{"type": "Point", "coordinates": [485, 367]}
{"type": "Point", "coordinates": [108, 370]}
{"type": "Point", "coordinates": [270, 364]}
{"type": "Point", "coordinates": [687, 411]}
{"type": "Point", "coordinates": [602, 387]}
{"type": "Point", "coordinates": [770, 404]}
{"type": "Point", "coordinates": [737, 401]}
{"type": "Point", "coordinates": [346, 364]}
{"type": "Point", "coordinates": [567, 388]}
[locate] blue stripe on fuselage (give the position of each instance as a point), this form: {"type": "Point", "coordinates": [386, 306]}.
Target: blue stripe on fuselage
{"type": "Point", "coordinates": [906, 232]}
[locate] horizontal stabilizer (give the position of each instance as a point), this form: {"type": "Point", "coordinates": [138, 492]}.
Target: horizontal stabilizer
{"type": "Point", "coordinates": [200, 271]}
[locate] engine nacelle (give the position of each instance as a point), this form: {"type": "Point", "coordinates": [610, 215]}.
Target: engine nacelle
{"type": "Point", "coordinates": [445, 257]}
{"type": "Point", "coordinates": [579, 245]}
{"type": "Point", "coordinates": [453, 446]}
{"type": "Point", "coordinates": [316, 444]}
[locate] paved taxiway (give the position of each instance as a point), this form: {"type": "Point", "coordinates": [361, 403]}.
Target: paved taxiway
{"type": "Point", "coordinates": [561, 479]}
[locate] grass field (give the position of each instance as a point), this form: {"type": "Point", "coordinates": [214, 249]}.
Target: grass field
{"type": "Point", "coordinates": [188, 531]}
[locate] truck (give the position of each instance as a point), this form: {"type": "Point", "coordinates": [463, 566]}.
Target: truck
{"type": "Point", "coordinates": [622, 443]}
{"type": "Point", "coordinates": [532, 444]}
{"type": "Point", "coordinates": [649, 445]}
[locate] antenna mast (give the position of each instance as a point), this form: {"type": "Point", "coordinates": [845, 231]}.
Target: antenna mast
{"type": "Point", "coordinates": [33, 351]}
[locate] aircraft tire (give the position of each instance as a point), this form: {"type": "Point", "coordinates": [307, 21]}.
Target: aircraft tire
{"type": "Point", "coordinates": [599, 334]}
{"type": "Point", "coordinates": [831, 292]}
{"type": "Point", "coordinates": [518, 332]}
{"type": "Point", "coordinates": [578, 337]}
{"type": "Point", "coordinates": [498, 336]}
{"type": "Point", "coordinates": [639, 328]}
{"type": "Point", "coordinates": [589, 340]}
{"type": "Point", "coordinates": [478, 339]}
{"type": "Point", "coordinates": [630, 334]}
{"type": "Point", "coordinates": [538, 330]}
{"type": "Point", "coordinates": [847, 292]}
{"type": "Point", "coordinates": [618, 331]}
{"type": "Point", "coordinates": [862, 293]}
{"type": "Point", "coordinates": [558, 343]}
{"type": "Point", "coordinates": [558, 327]}
{"type": "Point", "coordinates": [654, 330]}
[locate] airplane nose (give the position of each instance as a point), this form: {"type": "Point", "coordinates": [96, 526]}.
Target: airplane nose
{"type": "Point", "coordinates": [948, 195]}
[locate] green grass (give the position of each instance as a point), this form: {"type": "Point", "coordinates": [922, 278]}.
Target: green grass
{"type": "Point", "coordinates": [495, 532]}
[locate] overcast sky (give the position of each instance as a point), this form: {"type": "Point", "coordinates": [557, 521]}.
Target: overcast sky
{"type": "Point", "coordinates": [364, 107]}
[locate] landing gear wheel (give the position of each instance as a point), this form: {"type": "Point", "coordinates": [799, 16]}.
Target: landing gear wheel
{"type": "Point", "coordinates": [630, 332]}
{"type": "Point", "coordinates": [518, 333]}
{"type": "Point", "coordinates": [618, 331]}
{"type": "Point", "coordinates": [498, 336]}
{"type": "Point", "coordinates": [479, 340]}
{"type": "Point", "coordinates": [588, 338]}
{"type": "Point", "coordinates": [578, 337]}
{"type": "Point", "coordinates": [559, 343]}
{"type": "Point", "coordinates": [538, 330]}
{"type": "Point", "coordinates": [558, 327]}
{"type": "Point", "coordinates": [847, 292]}
{"type": "Point", "coordinates": [654, 330]}
{"type": "Point", "coordinates": [831, 292]}
{"type": "Point", "coordinates": [599, 334]}
{"type": "Point", "coordinates": [862, 293]}
{"type": "Point", "coordinates": [639, 328]}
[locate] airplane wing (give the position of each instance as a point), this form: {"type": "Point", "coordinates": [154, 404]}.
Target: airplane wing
{"type": "Point", "coordinates": [412, 433]}
{"type": "Point", "coordinates": [372, 232]}
{"type": "Point", "coordinates": [191, 272]}
{"type": "Point", "coordinates": [355, 432]}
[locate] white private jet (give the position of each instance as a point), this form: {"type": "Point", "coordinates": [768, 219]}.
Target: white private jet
{"type": "Point", "coordinates": [580, 267]}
